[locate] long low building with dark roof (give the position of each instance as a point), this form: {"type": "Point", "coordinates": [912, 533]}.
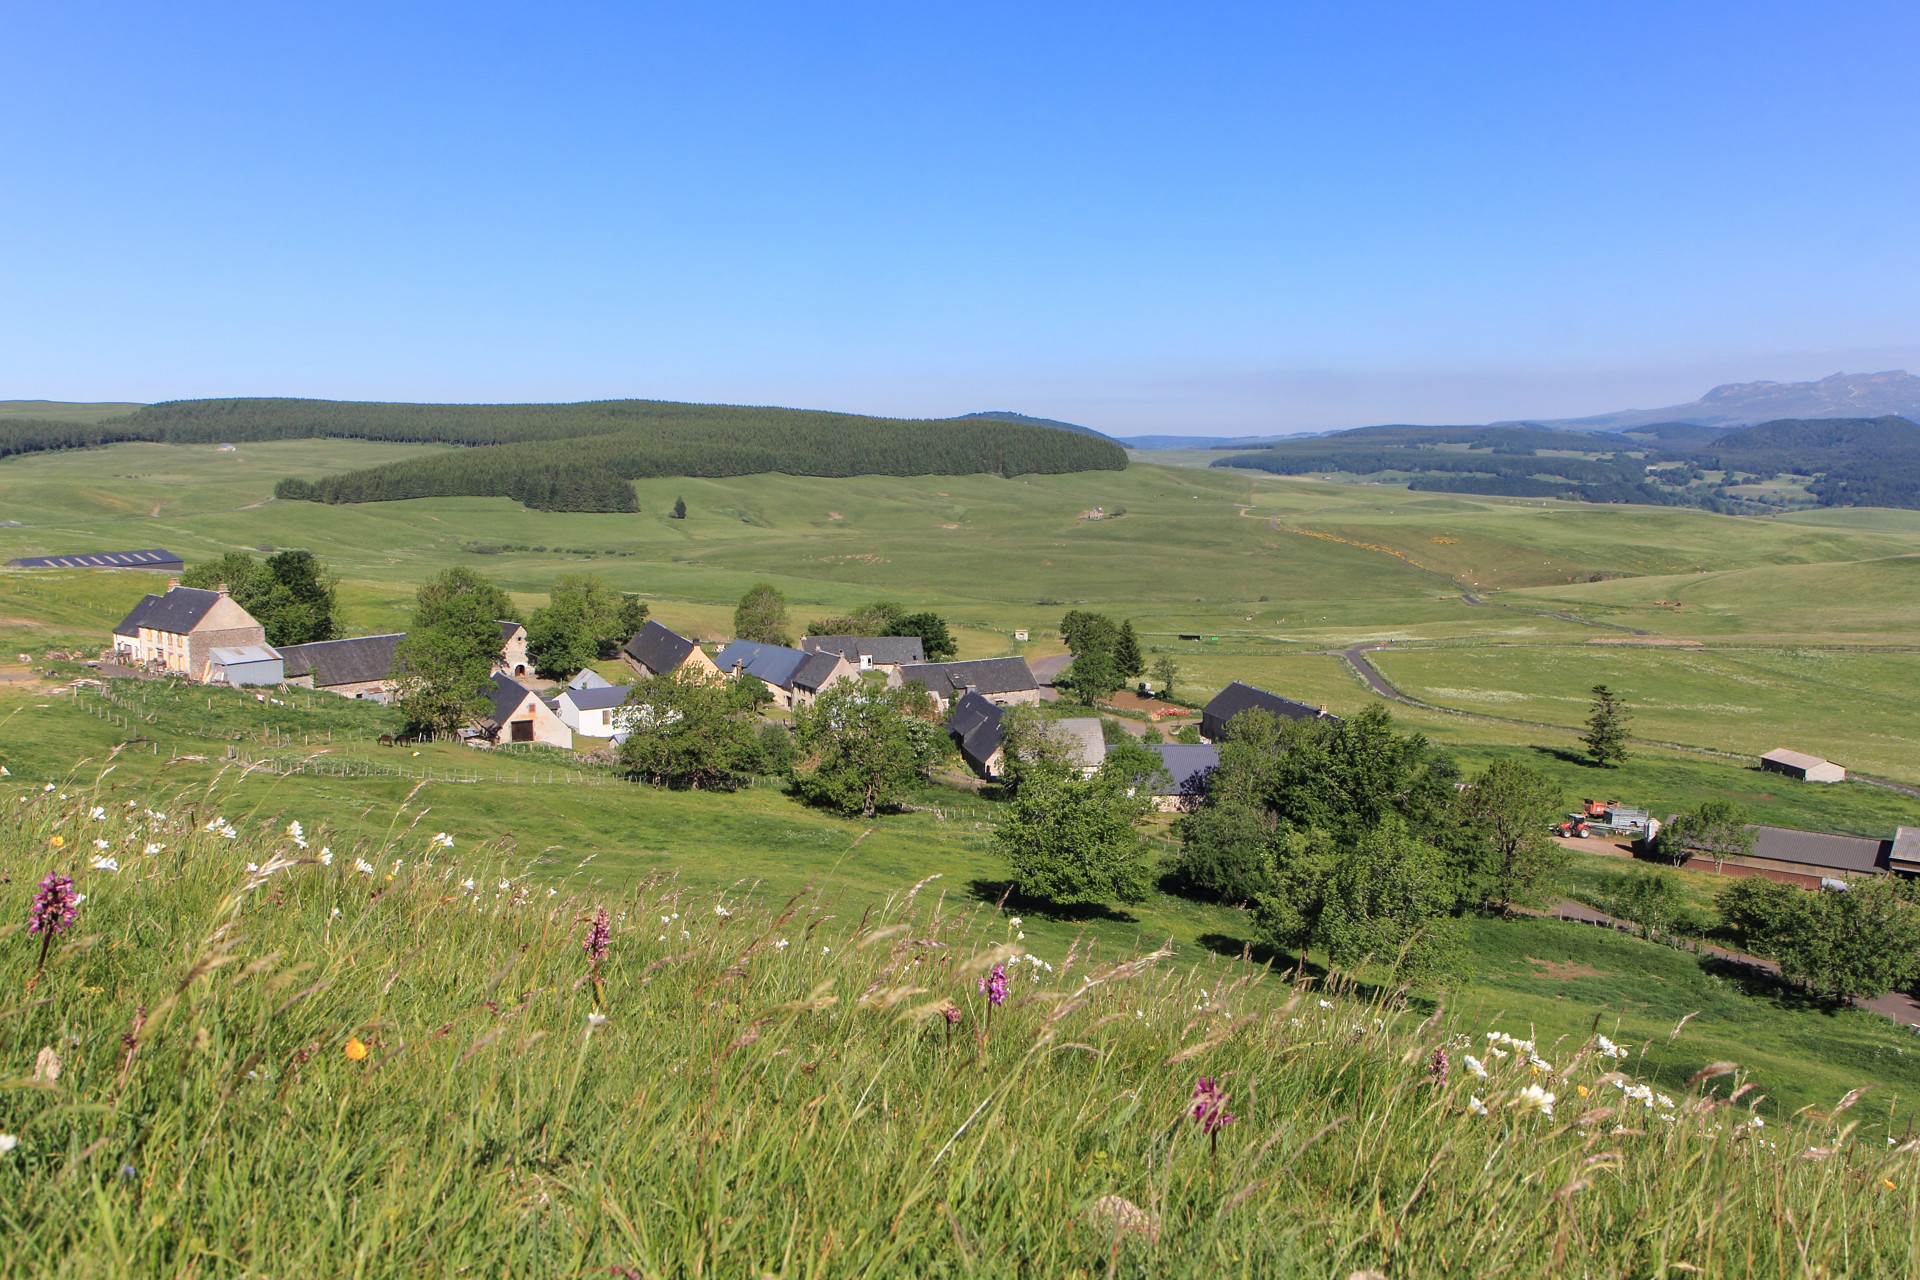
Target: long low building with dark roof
{"type": "Point", "coordinates": [156, 558]}
{"type": "Point", "coordinates": [655, 650]}
{"type": "Point", "coordinates": [870, 653]}
{"type": "Point", "coordinates": [1003, 681]}
{"type": "Point", "coordinates": [1237, 697]}
{"type": "Point", "coordinates": [356, 667]}
{"type": "Point", "coordinates": [794, 678]}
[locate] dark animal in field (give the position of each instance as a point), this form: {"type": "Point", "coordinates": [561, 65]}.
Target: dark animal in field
{"type": "Point", "coordinates": [386, 739]}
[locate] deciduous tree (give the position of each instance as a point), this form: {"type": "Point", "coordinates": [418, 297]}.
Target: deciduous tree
{"type": "Point", "coordinates": [862, 746]}
{"type": "Point", "coordinates": [684, 730]}
{"type": "Point", "coordinates": [762, 616]}
{"type": "Point", "coordinates": [1509, 809]}
{"type": "Point", "coordinates": [1073, 841]}
{"type": "Point", "coordinates": [445, 663]}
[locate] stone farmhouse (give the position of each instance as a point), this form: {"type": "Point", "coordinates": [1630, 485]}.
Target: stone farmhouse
{"type": "Point", "coordinates": [520, 715]}
{"type": "Point", "coordinates": [655, 651]}
{"type": "Point", "coordinates": [885, 654]}
{"type": "Point", "coordinates": [513, 651]}
{"type": "Point", "coordinates": [359, 667]}
{"type": "Point", "coordinates": [178, 631]}
{"type": "Point", "coordinates": [1004, 682]}
{"type": "Point", "coordinates": [794, 678]}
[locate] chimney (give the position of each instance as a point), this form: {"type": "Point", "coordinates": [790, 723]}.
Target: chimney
{"type": "Point", "coordinates": [222, 589]}
{"type": "Point", "coordinates": [1323, 708]}
{"type": "Point", "coordinates": [172, 583]}
{"type": "Point", "coordinates": [736, 668]}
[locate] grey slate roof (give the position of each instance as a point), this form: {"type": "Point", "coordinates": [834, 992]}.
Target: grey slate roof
{"type": "Point", "coordinates": [773, 663]}
{"type": "Point", "coordinates": [1186, 765]}
{"type": "Point", "coordinates": [178, 611]}
{"type": "Point", "coordinates": [588, 678]}
{"type": "Point", "coordinates": [156, 558]}
{"type": "Point", "coordinates": [1905, 854]}
{"type": "Point", "coordinates": [508, 694]}
{"type": "Point", "coordinates": [975, 723]}
{"type": "Point", "coordinates": [1086, 742]}
{"type": "Point", "coordinates": [355, 660]}
{"type": "Point", "coordinates": [1818, 850]}
{"type": "Point", "coordinates": [658, 649]}
{"type": "Point", "coordinates": [815, 670]}
{"type": "Point", "coordinates": [987, 675]}
{"type": "Point", "coordinates": [599, 698]}
{"type": "Point", "coordinates": [1237, 697]}
{"type": "Point", "coordinates": [889, 651]}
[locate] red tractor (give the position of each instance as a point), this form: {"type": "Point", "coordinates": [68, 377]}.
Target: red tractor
{"type": "Point", "coordinates": [1574, 825]}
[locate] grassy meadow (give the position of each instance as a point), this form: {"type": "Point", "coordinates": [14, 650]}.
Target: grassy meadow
{"type": "Point", "coordinates": [434, 1155]}
{"type": "Point", "coordinates": [294, 1051]}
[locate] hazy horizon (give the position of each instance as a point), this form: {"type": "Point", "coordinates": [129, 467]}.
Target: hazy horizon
{"type": "Point", "coordinates": [1240, 221]}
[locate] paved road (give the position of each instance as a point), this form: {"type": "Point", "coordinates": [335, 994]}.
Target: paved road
{"type": "Point", "coordinates": [1045, 670]}
{"type": "Point", "coordinates": [1357, 659]}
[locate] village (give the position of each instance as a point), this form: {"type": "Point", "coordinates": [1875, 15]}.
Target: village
{"type": "Point", "coordinates": [204, 635]}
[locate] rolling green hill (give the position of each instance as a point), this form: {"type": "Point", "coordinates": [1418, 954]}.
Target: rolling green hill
{"type": "Point", "coordinates": [607, 444]}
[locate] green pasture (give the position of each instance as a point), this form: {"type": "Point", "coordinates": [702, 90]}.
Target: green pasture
{"type": "Point", "coordinates": [1746, 701]}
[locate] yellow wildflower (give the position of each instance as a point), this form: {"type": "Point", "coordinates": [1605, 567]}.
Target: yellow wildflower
{"type": "Point", "coordinates": [1888, 1184]}
{"type": "Point", "coordinates": [355, 1049]}
{"type": "Point", "coordinates": [58, 841]}
{"type": "Point", "coordinates": [1580, 1089]}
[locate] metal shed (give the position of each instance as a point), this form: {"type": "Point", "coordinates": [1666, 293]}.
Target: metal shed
{"type": "Point", "coordinates": [1798, 764]}
{"type": "Point", "coordinates": [248, 664]}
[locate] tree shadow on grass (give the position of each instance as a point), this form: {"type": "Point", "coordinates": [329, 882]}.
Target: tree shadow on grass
{"type": "Point", "coordinates": [991, 891]}
{"type": "Point", "coordinates": [1564, 755]}
{"type": "Point", "coordinates": [1761, 984]}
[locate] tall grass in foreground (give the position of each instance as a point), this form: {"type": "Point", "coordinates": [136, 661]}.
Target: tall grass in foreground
{"type": "Point", "coordinates": [250, 1058]}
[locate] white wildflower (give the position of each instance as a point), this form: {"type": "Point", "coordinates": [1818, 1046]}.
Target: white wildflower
{"type": "Point", "coordinates": [364, 867]}
{"type": "Point", "coordinates": [780, 945]}
{"type": "Point", "coordinates": [106, 864]}
{"type": "Point", "coordinates": [441, 840]}
{"type": "Point", "coordinates": [1326, 1004]}
{"type": "Point", "coordinates": [723, 913]}
{"type": "Point", "coordinates": [7, 1143]}
{"type": "Point", "coordinates": [336, 911]}
{"type": "Point", "coordinates": [596, 1020]}
{"type": "Point", "coordinates": [153, 848]}
{"type": "Point", "coordinates": [326, 857]}
{"type": "Point", "coordinates": [252, 867]}
{"type": "Point", "coordinates": [1015, 922]}
{"type": "Point", "coordinates": [48, 787]}
{"type": "Point", "coordinates": [1608, 1049]}
{"type": "Point", "coordinates": [98, 813]}
{"type": "Point", "coordinates": [102, 844]}
{"type": "Point", "coordinates": [1534, 1098]}
{"type": "Point", "coordinates": [1476, 1066]}
{"type": "Point", "coordinates": [297, 832]}
{"type": "Point", "coordinates": [1478, 1107]}
{"type": "Point", "coordinates": [505, 884]}
{"type": "Point", "coordinates": [467, 883]}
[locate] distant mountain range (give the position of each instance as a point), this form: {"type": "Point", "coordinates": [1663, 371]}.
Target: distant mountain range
{"type": "Point", "coordinates": [1736, 404]}
{"type": "Point", "coordinates": [1741, 404]}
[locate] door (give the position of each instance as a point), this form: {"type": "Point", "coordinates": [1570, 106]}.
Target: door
{"type": "Point", "coordinates": [523, 731]}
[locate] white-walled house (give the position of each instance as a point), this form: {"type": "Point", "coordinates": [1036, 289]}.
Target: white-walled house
{"type": "Point", "coordinates": [589, 710]}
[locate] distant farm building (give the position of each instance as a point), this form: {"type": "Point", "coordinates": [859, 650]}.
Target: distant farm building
{"type": "Point", "coordinates": [357, 667]}
{"type": "Point", "coordinates": [589, 710]}
{"type": "Point", "coordinates": [975, 728]}
{"type": "Point", "coordinates": [155, 559]}
{"type": "Point", "coordinates": [179, 631]}
{"type": "Point", "coordinates": [1187, 767]}
{"type": "Point", "coordinates": [1002, 681]}
{"type": "Point", "coordinates": [519, 716]}
{"type": "Point", "coordinates": [870, 653]}
{"type": "Point", "coordinates": [656, 651]}
{"type": "Point", "coordinates": [246, 665]}
{"type": "Point", "coordinates": [1813, 859]}
{"type": "Point", "coordinates": [1798, 764]}
{"type": "Point", "coordinates": [794, 678]}
{"type": "Point", "coordinates": [1237, 697]}
{"type": "Point", "coordinates": [513, 651]}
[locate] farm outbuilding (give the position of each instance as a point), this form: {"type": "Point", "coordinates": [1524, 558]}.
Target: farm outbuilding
{"type": "Point", "coordinates": [245, 664]}
{"type": "Point", "coordinates": [1237, 697]}
{"type": "Point", "coordinates": [154, 558]}
{"type": "Point", "coordinates": [1798, 764]}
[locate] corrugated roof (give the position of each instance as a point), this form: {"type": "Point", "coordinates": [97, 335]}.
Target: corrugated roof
{"type": "Point", "coordinates": [1798, 759]}
{"type": "Point", "coordinates": [178, 611]}
{"type": "Point", "coordinates": [891, 651]}
{"type": "Point", "coordinates": [354, 660]}
{"type": "Point", "coordinates": [658, 649]}
{"type": "Point", "coordinates": [988, 675]}
{"type": "Point", "coordinates": [1817, 849]}
{"type": "Point", "coordinates": [242, 654]}
{"type": "Point", "coordinates": [155, 558]}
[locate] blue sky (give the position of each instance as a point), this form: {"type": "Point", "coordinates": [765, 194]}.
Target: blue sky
{"type": "Point", "coordinates": [1181, 218]}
